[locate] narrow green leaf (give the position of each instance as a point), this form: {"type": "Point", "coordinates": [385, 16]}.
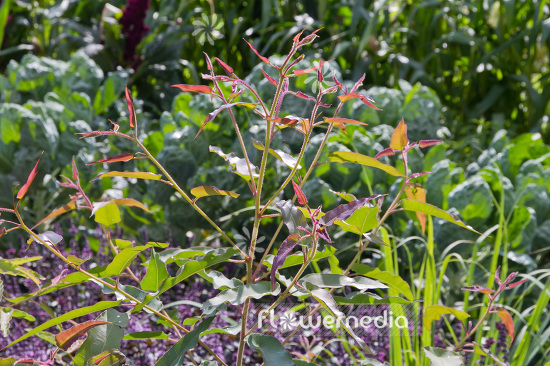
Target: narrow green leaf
{"type": "Point", "coordinates": [156, 273]}
{"type": "Point", "coordinates": [393, 281]}
{"type": "Point", "coordinates": [329, 280]}
{"type": "Point", "coordinates": [287, 159]}
{"type": "Point", "coordinates": [352, 157]}
{"type": "Point", "coordinates": [125, 257]}
{"type": "Point", "coordinates": [176, 354]}
{"type": "Point", "coordinates": [273, 352]}
{"type": "Point", "coordinates": [102, 305]}
{"type": "Point", "coordinates": [205, 191]}
{"type": "Point", "coordinates": [138, 175]}
{"type": "Point", "coordinates": [418, 206]}
{"type": "Point", "coordinates": [15, 313]}
{"type": "Point", "coordinates": [292, 216]}
{"type": "Point", "coordinates": [147, 335]}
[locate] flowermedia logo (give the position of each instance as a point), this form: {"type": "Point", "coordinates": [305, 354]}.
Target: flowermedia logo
{"type": "Point", "coordinates": [208, 28]}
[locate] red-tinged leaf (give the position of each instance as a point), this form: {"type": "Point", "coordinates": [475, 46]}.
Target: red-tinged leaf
{"type": "Point", "coordinates": [306, 71]}
{"type": "Point", "coordinates": [308, 39]}
{"type": "Point", "coordinates": [296, 38]}
{"type": "Point", "coordinates": [210, 117]}
{"type": "Point", "coordinates": [305, 126]}
{"type": "Point", "coordinates": [194, 88]}
{"type": "Point", "coordinates": [30, 178]}
{"type": "Point", "coordinates": [75, 170]}
{"type": "Point", "coordinates": [285, 249]}
{"type": "Point", "coordinates": [293, 63]}
{"type": "Point", "coordinates": [2, 232]}
{"type": "Point", "coordinates": [510, 277]}
{"type": "Point", "coordinates": [269, 78]}
{"type": "Point", "coordinates": [302, 200]}
{"type": "Point", "coordinates": [332, 89]}
{"type": "Point", "coordinates": [358, 84]}
{"type": "Point", "coordinates": [264, 59]}
{"type": "Point", "coordinates": [287, 121]}
{"type": "Point", "coordinates": [338, 83]}
{"type": "Point", "coordinates": [139, 175]}
{"type": "Point", "coordinates": [113, 159]}
{"type": "Point", "coordinates": [86, 135]}
{"type": "Point", "coordinates": [497, 277]}
{"type": "Point", "coordinates": [512, 285]}
{"type": "Point", "coordinates": [66, 338]}
{"type": "Point", "coordinates": [59, 211]}
{"type": "Point", "coordinates": [208, 62]}
{"type": "Point", "coordinates": [130, 202]}
{"type": "Point", "coordinates": [131, 109]}
{"type": "Point", "coordinates": [426, 143]}
{"type": "Point", "coordinates": [228, 69]}
{"type": "Point", "coordinates": [344, 120]}
{"type": "Point", "coordinates": [417, 193]}
{"type": "Point", "coordinates": [345, 210]}
{"type": "Point", "coordinates": [508, 322]}
{"type": "Point", "coordinates": [221, 78]}
{"type": "Point", "coordinates": [385, 152]}
{"type": "Point", "coordinates": [235, 94]}
{"type": "Point", "coordinates": [303, 96]}
{"type": "Point", "coordinates": [399, 138]}
{"type": "Point", "coordinates": [363, 98]}
{"type": "Point", "coordinates": [477, 288]}
{"type": "Point", "coordinates": [323, 234]}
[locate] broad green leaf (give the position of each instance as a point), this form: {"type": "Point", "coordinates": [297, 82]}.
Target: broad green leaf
{"type": "Point", "coordinates": [361, 221]}
{"type": "Point", "coordinates": [220, 282]}
{"type": "Point", "coordinates": [190, 268]}
{"type": "Point", "coordinates": [138, 175]}
{"type": "Point", "coordinates": [102, 305]}
{"type": "Point", "coordinates": [329, 280]}
{"type": "Point", "coordinates": [205, 191]}
{"type": "Point", "coordinates": [298, 259]}
{"type": "Point", "coordinates": [442, 357]}
{"type": "Point", "coordinates": [395, 282]}
{"type": "Point", "coordinates": [352, 157]}
{"type": "Point", "coordinates": [344, 211]}
{"type": "Point", "coordinates": [125, 257]}
{"type": "Point", "coordinates": [176, 354]}
{"type": "Point", "coordinates": [65, 339]}
{"type": "Point", "coordinates": [147, 335]}
{"type": "Point", "coordinates": [156, 273]}
{"type": "Point", "coordinates": [107, 215]}
{"type": "Point", "coordinates": [123, 244]}
{"type": "Point", "coordinates": [75, 260]}
{"type": "Point", "coordinates": [273, 352]}
{"type": "Point", "coordinates": [240, 166]}
{"type": "Point", "coordinates": [111, 357]}
{"type": "Point", "coordinates": [426, 208]}
{"type": "Point", "coordinates": [434, 312]}
{"type": "Point", "coordinates": [238, 295]}
{"type": "Point", "coordinates": [399, 138]}
{"type": "Point", "coordinates": [135, 293]}
{"type": "Point", "coordinates": [287, 159]}
{"type": "Point", "coordinates": [103, 337]}
{"type": "Point", "coordinates": [292, 216]}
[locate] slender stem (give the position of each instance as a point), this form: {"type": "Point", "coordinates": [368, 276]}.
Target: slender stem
{"type": "Point", "coordinates": [108, 285]}
{"type": "Point", "coordinates": [187, 198]}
